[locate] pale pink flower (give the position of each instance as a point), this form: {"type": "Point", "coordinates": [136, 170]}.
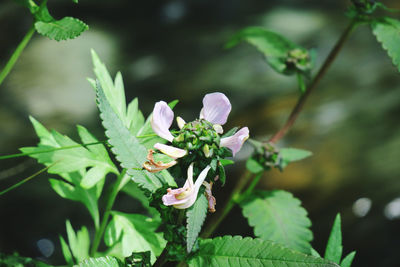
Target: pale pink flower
{"type": "Point", "coordinates": [216, 109]}
{"type": "Point", "coordinates": [184, 197]}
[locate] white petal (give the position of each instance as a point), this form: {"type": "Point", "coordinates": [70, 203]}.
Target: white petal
{"type": "Point", "coordinates": [171, 151]}
{"type": "Point", "coordinates": [216, 108]}
{"type": "Point", "coordinates": [181, 122]}
{"type": "Point", "coordinates": [235, 141]}
{"type": "Point", "coordinates": [218, 128]}
{"type": "Point", "coordinates": [162, 119]}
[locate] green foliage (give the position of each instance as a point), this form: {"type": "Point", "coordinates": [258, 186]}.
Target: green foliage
{"type": "Point", "coordinates": [138, 259]}
{"type": "Point", "coordinates": [254, 166]}
{"type": "Point", "coordinates": [100, 262]}
{"type": "Point", "coordinates": [238, 251]}
{"type": "Point", "coordinates": [334, 247]}
{"type": "Point", "coordinates": [63, 29]}
{"type": "Point", "coordinates": [277, 216]}
{"type": "Point", "coordinates": [129, 152]}
{"type": "Point", "coordinates": [196, 215]}
{"type": "Point", "coordinates": [79, 243]}
{"type": "Point", "coordinates": [289, 155]}
{"type": "Point", "coordinates": [282, 55]}
{"type": "Point", "coordinates": [133, 233]}
{"type": "Point", "coordinates": [348, 260]}
{"type": "Point", "coordinates": [66, 251]}
{"type": "Point", "coordinates": [387, 32]}
{"type": "Point", "coordinates": [16, 260]}
{"type": "Point", "coordinates": [71, 164]}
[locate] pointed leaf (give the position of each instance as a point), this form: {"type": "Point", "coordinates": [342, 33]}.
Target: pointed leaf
{"type": "Point", "coordinates": [129, 152]}
{"type": "Point", "coordinates": [196, 215]}
{"type": "Point", "coordinates": [292, 154]}
{"type": "Point", "coordinates": [277, 216]}
{"type": "Point", "coordinates": [66, 252]}
{"type": "Point", "coordinates": [238, 251]}
{"type": "Point", "coordinates": [387, 32]}
{"type": "Point", "coordinates": [348, 260]}
{"type": "Point", "coordinates": [79, 243]}
{"type": "Point", "coordinates": [334, 247]}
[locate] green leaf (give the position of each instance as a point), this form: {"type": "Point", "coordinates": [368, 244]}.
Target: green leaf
{"type": "Point", "coordinates": [16, 260]}
{"type": "Point", "coordinates": [277, 216]}
{"type": "Point", "coordinates": [238, 251]}
{"type": "Point", "coordinates": [137, 233]}
{"type": "Point", "coordinates": [73, 159]}
{"type": "Point", "coordinates": [334, 247]}
{"type": "Point", "coordinates": [348, 260]}
{"type": "Point", "coordinates": [315, 253]}
{"type": "Point", "coordinates": [253, 166]}
{"type": "Point", "coordinates": [292, 154]}
{"type": "Point", "coordinates": [100, 262]}
{"type": "Point", "coordinates": [274, 46]}
{"type": "Point", "coordinates": [196, 215]}
{"type": "Point", "coordinates": [387, 32]}
{"type": "Point", "coordinates": [63, 29]}
{"type": "Point", "coordinates": [129, 152]}
{"type": "Point", "coordinates": [66, 252]}
{"type": "Point", "coordinates": [73, 191]}
{"type": "Point", "coordinates": [133, 190]}
{"type": "Point", "coordinates": [79, 243]}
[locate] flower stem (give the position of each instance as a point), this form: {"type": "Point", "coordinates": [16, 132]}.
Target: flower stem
{"type": "Point", "coordinates": [227, 207]}
{"type": "Point", "coordinates": [107, 212]}
{"type": "Point", "coordinates": [14, 57]}
{"type": "Point", "coordinates": [302, 100]}
{"type": "Point", "coordinates": [244, 179]}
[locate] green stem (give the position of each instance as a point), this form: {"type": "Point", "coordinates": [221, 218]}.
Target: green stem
{"type": "Point", "coordinates": [227, 207]}
{"type": "Point", "coordinates": [243, 180]}
{"type": "Point", "coordinates": [26, 179]}
{"type": "Point", "coordinates": [302, 100]}
{"type": "Point", "coordinates": [14, 57]}
{"type": "Point", "coordinates": [107, 212]}
{"type": "Point", "coordinates": [253, 184]}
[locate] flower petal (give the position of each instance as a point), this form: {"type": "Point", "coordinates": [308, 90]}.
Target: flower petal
{"type": "Point", "coordinates": [162, 119]}
{"type": "Point", "coordinates": [181, 122]}
{"type": "Point", "coordinates": [171, 151]}
{"type": "Point", "coordinates": [216, 108]}
{"type": "Point", "coordinates": [171, 197]}
{"type": "Point", "coordinates": [235, 141]}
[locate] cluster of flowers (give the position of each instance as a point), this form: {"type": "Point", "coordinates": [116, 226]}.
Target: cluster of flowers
{"type": "Point", "coordinates": [199, 140]}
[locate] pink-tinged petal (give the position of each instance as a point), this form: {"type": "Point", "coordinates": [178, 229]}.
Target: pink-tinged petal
{"type": "Point", "coordinates": [183, 198]}
{"type": "Point", "coordinates": [171, 151]}
{"type": "Point", "coordinates": [162, 119]}
{"type": "Point", "coordinates": [218, 128]}
{"type": "Point", "coordinates": [216, 108]}
{"type": "Point", "coordinates": [235, 141]}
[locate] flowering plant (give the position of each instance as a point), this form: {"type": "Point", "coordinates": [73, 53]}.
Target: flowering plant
{"type": "Point", "coordinates": [172, 172]}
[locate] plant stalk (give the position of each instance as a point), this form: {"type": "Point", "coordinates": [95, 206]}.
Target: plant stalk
{"type": "Point", "coordinates": [303, 98]}
{"type": "Point", "coordinates": [107, 212]}
{"type": "Point", "coordinates": [244, 179]}
{"type": "Point", "coordinates": [14, 57]}
{"type": "Point", "coordinates": [227, 207]}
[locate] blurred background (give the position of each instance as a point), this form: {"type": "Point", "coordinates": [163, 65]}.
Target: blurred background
{"type": "Point", "coordinates": [173, 49]}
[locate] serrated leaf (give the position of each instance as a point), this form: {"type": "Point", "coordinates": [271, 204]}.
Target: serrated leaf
{"type": "Point", "coordinates": [387, 32]}
{"type": "Point", "coordinates": [79, 242]}
{"type": "Point", "coordinates": [100, 262]}
{"type": "Point", "coordinates": [292, 154]}
{"type": "Point", "coordinates": [196, 215]}
{"type": "Point", "coordinates": [348, 260]}
{"type": "Point", "coordinates": [277, 216]}
{"type": "Point", "coordinates": [274, 46]}
{"type": "Point", "coordinates": [129, 152]}
{"type": "Point", "coordinates": [63, 29]}
{"type": "Point", "coordinates": [238, 251]}
{"type": "Point", "coordinates": [136, 233]}
{"type": "Point", "coordinates": [334, 247]}
{"type": "Point", "coordinates": [253, 166]}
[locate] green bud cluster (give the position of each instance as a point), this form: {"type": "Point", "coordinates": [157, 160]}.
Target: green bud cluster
{"type": "Point", "coordinates": [298, 59]}
{"type": "Point", "coordinates": [202, 142]}
{"type": "Point", "coordinates": [268, 157]}
{"type": "Point", "coordinates": [365, 6]}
